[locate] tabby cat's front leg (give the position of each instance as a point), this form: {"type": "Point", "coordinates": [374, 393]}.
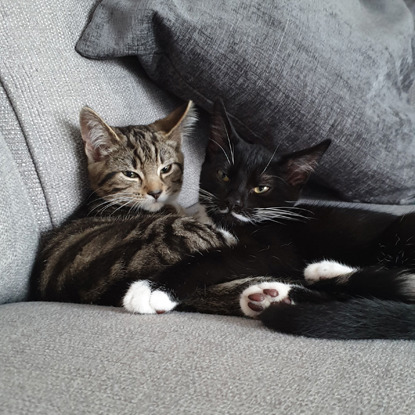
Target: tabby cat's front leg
{"type": "Point", "coordinates": [141, 299]}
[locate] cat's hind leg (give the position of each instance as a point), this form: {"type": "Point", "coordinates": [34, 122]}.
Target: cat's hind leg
{"type": "Point", "coordinates": [142, 299]}
{"type": "Point", "coordinates": [248, 296]}
{"type": "Point", "coordinates": [397, 284]}
{"type": "Point", "coordinates": [258, 297]}
{"type": "Point", "coordinates": [326, 269]}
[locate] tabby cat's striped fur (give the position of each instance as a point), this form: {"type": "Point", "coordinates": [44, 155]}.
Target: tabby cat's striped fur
{"type": "Point", "coordinates": [134, 228]}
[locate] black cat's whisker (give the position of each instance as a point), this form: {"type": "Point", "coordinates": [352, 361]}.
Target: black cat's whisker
{"type": "Point", "coordinates": [270, 160]}
{"type": "Point", "coordinates": [294, 209]}
{"type": "Point", "coordinates": [204, 191]}
{"type": "Point", "coordinates": [207, 197]}
{"type": "Point", "coordinates": [245, 217]}
{"type": "Point", "coordinates": [224, 152]}
{"type": "Point", "coordinates": [284, 209]}
{"type": "Point", "coordinates": [288, 215]}
{"type": "Point", "coordinates": [272, 214]}
{"type": "Point", "coordinates": [207, 200]}
{"type": "Point", "coordinates": [212, 208]}
{"type": "Point", "coordinates": [229, 142]}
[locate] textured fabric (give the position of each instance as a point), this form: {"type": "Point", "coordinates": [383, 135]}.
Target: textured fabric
{"type": "Point", "coordinates": [46, 83]}
{"type": "Point", "coordinates": [17, 145]}
{"type": "Point", "coordinates": [72, 359]}
{"type": "Point", "coordinates": [19, 232]}
{"type": "Point", "coordinates": [291, 72]}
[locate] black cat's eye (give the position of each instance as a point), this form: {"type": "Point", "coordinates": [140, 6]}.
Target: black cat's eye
{"type": "Point", "coordinates": [223, 176]}
{"type": "Point", "coordinates": [166, 169]}
{"type": "Point", "coordinates": [261, 189]}
{"type": "Point", "coordinates": [130, 174]}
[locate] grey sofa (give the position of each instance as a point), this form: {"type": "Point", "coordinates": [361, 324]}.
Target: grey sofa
{"type": "Point", "coordinates": [76, 359]}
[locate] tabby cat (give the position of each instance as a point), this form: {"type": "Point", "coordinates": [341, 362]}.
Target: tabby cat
{"type": "Point", "coordinates": [281, 258]}
{"type": "Point", "coordinates": [135, 227]}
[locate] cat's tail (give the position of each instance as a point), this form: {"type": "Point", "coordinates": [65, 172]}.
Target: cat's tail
{"type": "Point", "coordinates": [358, 318]}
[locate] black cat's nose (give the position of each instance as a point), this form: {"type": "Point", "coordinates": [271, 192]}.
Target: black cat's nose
{"type": "Point", "coordinates": [155, 193]}
{"type": "Point", "coordinates": [234, 202]}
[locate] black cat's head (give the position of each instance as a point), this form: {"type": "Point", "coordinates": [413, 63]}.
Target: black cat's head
{"type": "Point", "coordinates": [243, 182]}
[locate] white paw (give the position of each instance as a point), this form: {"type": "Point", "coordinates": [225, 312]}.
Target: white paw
{"type": "Point", "coordinates": [229, 238]}
{"type": "Point", "coordinates": [142, 300]}
{"type": "Point", "coordinates": [325, 270]}
{"type": "Point", "coordinates": [256, 298]}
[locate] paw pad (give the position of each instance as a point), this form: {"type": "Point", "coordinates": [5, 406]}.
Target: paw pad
{"type": "Point", "coordinates": [258, 297]}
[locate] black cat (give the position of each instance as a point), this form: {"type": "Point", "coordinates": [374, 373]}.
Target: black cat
{"type": "Point", "coordinates": [307, 270]}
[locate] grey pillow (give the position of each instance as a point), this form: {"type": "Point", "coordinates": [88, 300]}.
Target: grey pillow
{"type": "Point", "coordinates": [291, 73]}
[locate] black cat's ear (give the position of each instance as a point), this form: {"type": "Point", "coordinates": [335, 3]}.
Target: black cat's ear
{"type": "Point", "coordinates": [178, 123]}
{"type": "Point", "coordinates": [300, 165]}
{"type": "Point", "coordinates": [99, 138]}
{"type": "Point", "coordinates": [221, 131]}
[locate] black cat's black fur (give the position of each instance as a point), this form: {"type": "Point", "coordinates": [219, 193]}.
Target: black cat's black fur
{"type": "Point", "coordinates": [357, 318]}
{"type": "Point", "coordinates": [253, 192]}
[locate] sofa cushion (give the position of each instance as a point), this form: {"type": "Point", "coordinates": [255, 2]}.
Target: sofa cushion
{"type": "Point", "coordinates": [74, 359]}
{"type": "Point", "coordinates": [293, 73]}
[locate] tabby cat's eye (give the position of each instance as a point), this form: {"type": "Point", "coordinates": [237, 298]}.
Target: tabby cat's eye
{"type": "Point", "coordinates": [166, 169]}
{"type": "Point", "coordinates": [130, 174]}
{"type": "Point", "coordinates": [223, 176]}
{"type": "Point", "coordinates": [261, 189]}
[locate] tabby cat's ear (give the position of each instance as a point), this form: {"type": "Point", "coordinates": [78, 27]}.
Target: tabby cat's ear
{"type": "Point", "coordinates": [221, 130]}
{"type": "Point", "coordinates": [300, 165]}
{"type": "Point", "coordinates": [178, 123]}
{"type": "Point", "coordinates": [99, 138]}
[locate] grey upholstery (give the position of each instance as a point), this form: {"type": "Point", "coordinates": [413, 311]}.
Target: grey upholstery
{"type": "Point", "coordinates": [73, 359]}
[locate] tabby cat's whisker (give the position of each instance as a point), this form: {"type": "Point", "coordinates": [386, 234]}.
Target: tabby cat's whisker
{"type": "Point", "coordinates": [121, 206]}
{"type": "Point", "coordinates": [114, 201]}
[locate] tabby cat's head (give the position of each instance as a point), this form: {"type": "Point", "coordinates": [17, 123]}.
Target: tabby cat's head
{"type": "Point", "coordinates": [139, 166]}
{"type": "Point", "coordinates": [243, 182]}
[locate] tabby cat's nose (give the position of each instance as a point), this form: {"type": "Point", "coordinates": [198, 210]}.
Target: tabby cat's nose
{"type": "Point", "coordinates": [155, 193]}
